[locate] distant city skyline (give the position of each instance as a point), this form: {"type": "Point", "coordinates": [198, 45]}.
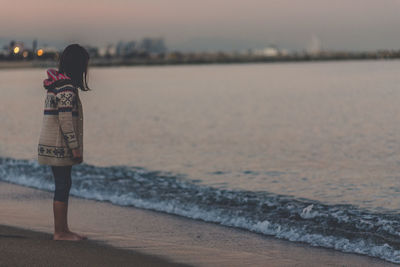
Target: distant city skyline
{"type": "Point", "coordinates": [207, 25]}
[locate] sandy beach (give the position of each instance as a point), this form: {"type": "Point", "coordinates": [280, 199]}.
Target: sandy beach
{"type": "Point", "coordinates": [20, 247]}
{"type": "Point", "coordinates": [151, 238]}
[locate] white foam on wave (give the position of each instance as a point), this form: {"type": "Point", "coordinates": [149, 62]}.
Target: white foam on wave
{"type": "Point", "coordinates": [384, 251]}
{"type": "Point", "coordinates": [307, 212]}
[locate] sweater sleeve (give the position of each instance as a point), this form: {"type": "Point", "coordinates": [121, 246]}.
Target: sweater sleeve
{"type": "Point", "coordinates": [66, 99]}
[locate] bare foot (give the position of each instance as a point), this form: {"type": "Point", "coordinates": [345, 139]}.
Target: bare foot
{"type": "Point", "coordinates": [78, 235]}
{"type": "Point", "coordinates": [67, 236]}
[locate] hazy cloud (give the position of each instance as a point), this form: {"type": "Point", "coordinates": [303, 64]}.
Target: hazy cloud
{"type": "Point", "coordinates": [207, 24]}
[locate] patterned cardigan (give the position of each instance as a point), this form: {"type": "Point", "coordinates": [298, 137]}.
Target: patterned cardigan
{"type": "Point", "coordinates": [62, 127]}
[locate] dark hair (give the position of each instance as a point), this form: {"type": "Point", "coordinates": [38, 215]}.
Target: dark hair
{"type": "Point", "coordinates": [74, 62]}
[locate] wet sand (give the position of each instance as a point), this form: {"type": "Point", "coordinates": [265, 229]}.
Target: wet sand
{"type": "Point", "coordinates": [20, 247]}
{"type": "Point", "coordinates": [173, 238]}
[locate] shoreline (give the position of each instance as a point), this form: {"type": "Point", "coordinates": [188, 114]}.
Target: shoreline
{"type": "Point", "coordinates": [9, 65]}
{"type": "Point", "coordinates": [171, 237]}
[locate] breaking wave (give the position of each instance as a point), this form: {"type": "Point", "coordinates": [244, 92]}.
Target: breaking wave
{"type": "Point", "coordinates": [342, 227]}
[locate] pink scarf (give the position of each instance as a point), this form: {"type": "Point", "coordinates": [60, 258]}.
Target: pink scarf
{"type": "Point", "coordinates": [54, 76]}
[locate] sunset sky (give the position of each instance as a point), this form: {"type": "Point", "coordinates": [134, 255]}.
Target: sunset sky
{"type": "Point", "coordinates": [206, 24]}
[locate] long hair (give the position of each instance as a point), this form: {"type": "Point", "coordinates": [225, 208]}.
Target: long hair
{"type": "Point", "coordinates": [74, 62]}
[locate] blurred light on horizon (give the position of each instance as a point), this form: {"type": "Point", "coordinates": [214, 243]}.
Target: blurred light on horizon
{"type": "Point", "coordinates": [16, 50]}
{"type": "Point", "coordinates": [40, 52]}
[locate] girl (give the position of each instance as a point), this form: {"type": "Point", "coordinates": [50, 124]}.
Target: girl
{"type": "Point", "coordinates": [61, 138]}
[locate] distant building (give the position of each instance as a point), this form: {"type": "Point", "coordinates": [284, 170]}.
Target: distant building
{"type": "Point", "coordinates": [4, 52]}
{"type": "Point", "coordinates": [111, 50]}
{"type": "Point", "coordinates": [92, 50]}
{"type": "Point", "coordinates": [153, 45]}
{"type": "Point", "coordinates": [269, 51]}
{"type": "Point", "coordinates": [126, 48]}
{"type": "Point", "coordinates": [102, 51]}
{"type": "Point", "coordinates": [49, 49]}
{"type": "Point", "coordinates": [130, 48]}
{"type": "Point", "coordinates": [119, 48]}
{"type": "Point", "coordinates": [284, 52]}
{"type": "Point", "coordinates": [315, 45]}
{"type": "Point", "coordinates": [34, 46]}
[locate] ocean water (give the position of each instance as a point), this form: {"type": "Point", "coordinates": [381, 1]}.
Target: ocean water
{"type": "Point", "coordinates": [304, 152]}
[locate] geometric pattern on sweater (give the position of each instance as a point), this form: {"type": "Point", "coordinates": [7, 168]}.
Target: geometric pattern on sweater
{"type": "Point", "coordinates": [54, 152]}
{"type": "Point", "coordinates": [51, 102]}
{"type": "Point", "coordinates": [66, 99]}
{"type": "Point", "coordinates": [55, 112]}
{"type": "Point", "coordinates": [70, 137]}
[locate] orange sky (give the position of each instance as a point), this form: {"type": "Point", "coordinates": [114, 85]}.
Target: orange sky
{"type": "Point", "coordinates": [190, 24]}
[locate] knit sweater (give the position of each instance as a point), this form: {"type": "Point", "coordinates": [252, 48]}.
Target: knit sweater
{"type": "Point", "coordinates": [62, 127]}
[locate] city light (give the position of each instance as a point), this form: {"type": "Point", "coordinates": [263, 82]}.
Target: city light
{"type": "Point", "coordinates": [16, 50]}
{"type": "Point", "coordinates": [40, 52]}
{"type": "Point", "coordinates": [25, 54]}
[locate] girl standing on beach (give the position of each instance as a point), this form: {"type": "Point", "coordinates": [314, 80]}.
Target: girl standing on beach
{"type": "Point", "coordinates": [61, 138]}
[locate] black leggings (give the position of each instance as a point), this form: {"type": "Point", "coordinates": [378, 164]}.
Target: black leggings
{"type": "Point", "coordinates": [62, 180]}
